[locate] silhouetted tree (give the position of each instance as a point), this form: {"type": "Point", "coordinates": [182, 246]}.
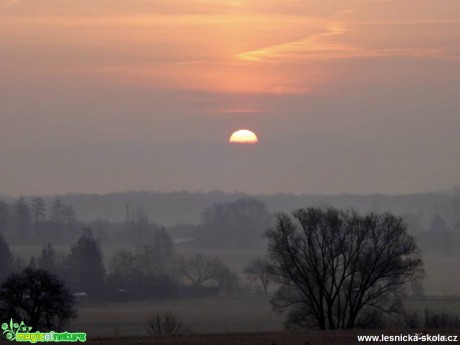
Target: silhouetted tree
{"type": "Point", "coordinates": [6, 259]}
{"type": "Point", "coordinates": [147, 260]}
{"type": "Point", "coordinates": [260, 270]}
{"type": "Point", "coordinates": [154, 271]}
{"type": "Point", "coordinates": [62, 217]}
{"type": "Point", "coordinates": [336, 266]}
{"type": "Point", "coordinates": [123, 270]}
{"type": "Point", "coordinates": [149, 268]}
{"type": "Point", "coordinates": [38, 298]}
{"type": "Point", "coordinates": [200, 269]}
{"type": "Point", "coordinates": [228, 280]}
{"type": "Point", "coordinates": [238, 223]}
{"type": "Point", "coordinates": [164, 323]}
{"type": "Point", "coordinates": [86, 267]}
{"type": "Point", "coordinates": [47, 259]}
{"type": "Point", "coordinates": [138, 225]}
{"type": "Point", "coordinates": [156, 254]}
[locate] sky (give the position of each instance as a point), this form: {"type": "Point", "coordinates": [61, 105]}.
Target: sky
{"type": "Point", "coordinates": [348, 96]}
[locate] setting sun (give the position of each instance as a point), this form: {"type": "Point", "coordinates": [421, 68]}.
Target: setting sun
{"type": "Point", "coordinates": [244, 136]}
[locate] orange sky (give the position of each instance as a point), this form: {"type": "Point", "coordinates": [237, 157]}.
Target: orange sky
{"type": "Point", "coordinates": [142, 71]}
{"type": "Point", "coordinates": [226, 46]}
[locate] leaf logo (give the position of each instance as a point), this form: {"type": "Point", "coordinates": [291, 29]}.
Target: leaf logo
{"type": "Point", "coordinates": [12, 329]}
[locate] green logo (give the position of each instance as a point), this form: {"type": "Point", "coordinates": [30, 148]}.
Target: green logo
{"type": "Point", "coordinates": [14, 328]}
{"type": "Point", "coordinates": [20, 332]}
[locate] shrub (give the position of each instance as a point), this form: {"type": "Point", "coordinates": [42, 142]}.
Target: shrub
{"type": "Point", "coordinates": [164, 322]}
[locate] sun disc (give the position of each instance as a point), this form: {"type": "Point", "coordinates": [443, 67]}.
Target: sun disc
{"type": "Point", "coordinates": [243, 136]}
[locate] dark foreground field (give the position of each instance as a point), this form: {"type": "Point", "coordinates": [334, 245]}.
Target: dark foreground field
{"type": "Point", "coordinates": [275, 338]}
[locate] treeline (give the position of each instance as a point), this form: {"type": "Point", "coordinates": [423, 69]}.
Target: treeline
{"type": "Point", "coordinates": [151, 270]}
{"type": "Point", "coordinates": [185, 207]}
{"type": "Point", "coordinates": [232, 223]}
{"type": "Point", "coordinates": [29, 220]}
{"type": "Point", "coordinates": [35, 220]}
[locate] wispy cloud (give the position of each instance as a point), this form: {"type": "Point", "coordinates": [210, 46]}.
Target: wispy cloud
{"type": "Point", "coordinates": [324, 47]}
{"type": "Point", "coordinates": [310, 44]}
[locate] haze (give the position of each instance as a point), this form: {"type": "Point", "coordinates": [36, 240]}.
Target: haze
{"type": "Point", "coordinates": [345, 96]}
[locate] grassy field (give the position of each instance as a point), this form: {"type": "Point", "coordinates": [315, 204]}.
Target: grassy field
{"type": "Point", "coordinates": [262, 338]}
{"type": "Point", "coordinates": [239, 313]}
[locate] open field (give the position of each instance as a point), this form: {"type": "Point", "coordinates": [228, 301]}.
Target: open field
{"type": "Point", "coordinates": [269, 338]}
{"type": "Point", "coordinates": [240, 313]}
{"type": "Point", "coordinates": [232, 314]}
{"type": "Point", "coordinates": [272, 338]}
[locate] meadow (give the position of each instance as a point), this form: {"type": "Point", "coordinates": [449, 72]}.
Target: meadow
{"type": "Point", "coordinates": [262, 338]}
{"type": "Point", "coordinates": [217, 314]}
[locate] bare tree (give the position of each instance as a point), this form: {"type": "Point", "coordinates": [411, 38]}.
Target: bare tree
{"type": "Point", "coordinates": [63, 217]}
{"type": "Point", "coordinates": [137, 225]}
{"type": "Point", "coordinates": [149, 268]}
{"type": "Point", "coordinates": [260, 270]}
{"type": "Point", "coordinates": [123, 263]}
{"type": "Point", "coordinates": [200, 268]}
{"type": "Point", "coordinates": [164, 323]}
{"type": "Point", "coordinates": [336, 266]}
